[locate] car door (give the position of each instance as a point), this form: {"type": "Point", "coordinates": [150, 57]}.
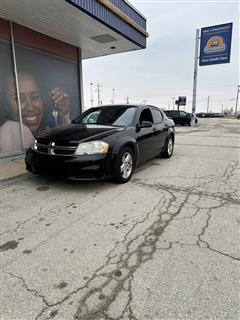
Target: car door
{"type": "Point", "coordinates": [184, 117]}
{"type": "Point", "coordinates": [144, 136]}
{"type": "Point", "coordinates": [176, 117]}
{"type": "Point", "coordinates": [159, 130]}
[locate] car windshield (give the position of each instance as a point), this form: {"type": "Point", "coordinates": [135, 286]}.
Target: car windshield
{"type": "Point", "coordinates": [115, 116]}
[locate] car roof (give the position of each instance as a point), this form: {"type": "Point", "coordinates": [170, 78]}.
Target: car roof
{"type": "Point", "coordinates": [126, 105]}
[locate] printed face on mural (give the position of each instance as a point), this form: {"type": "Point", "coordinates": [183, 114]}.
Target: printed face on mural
{"type": "Point", "coordinates": [30, 100]}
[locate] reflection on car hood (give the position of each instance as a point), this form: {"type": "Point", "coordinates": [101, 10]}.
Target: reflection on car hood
{"type": "Point", "coordinates": [77, 132]}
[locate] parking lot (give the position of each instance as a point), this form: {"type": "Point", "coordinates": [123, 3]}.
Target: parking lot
{"type": "Point", "coordinates": [163, 246]}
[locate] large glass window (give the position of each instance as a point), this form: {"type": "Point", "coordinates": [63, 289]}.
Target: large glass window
{"type": "Point", "coordinates": [48, 82]}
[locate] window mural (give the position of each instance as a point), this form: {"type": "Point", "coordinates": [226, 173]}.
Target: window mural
{"type": "Point", "coordinates": [48, 91]}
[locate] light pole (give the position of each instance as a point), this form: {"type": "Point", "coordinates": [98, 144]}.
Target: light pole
{"type": "Point", "coordinates": [127, 100]}
{"type": "Point", "coordinates": [173, 101]}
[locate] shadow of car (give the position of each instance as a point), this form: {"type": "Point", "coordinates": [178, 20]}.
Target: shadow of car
{"type": "Point", "coordinates": [106, 141]}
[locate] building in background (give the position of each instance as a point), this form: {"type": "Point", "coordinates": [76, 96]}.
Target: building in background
{"type": "Point", "coordinates": [42, 45]}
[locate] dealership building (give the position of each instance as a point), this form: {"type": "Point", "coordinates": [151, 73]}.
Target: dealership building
{"type": "Point", "coordinates": [42, 45]}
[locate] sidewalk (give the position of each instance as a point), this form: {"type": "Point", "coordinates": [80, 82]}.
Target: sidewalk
{"type": "Point", "coordinates": [11, 168]}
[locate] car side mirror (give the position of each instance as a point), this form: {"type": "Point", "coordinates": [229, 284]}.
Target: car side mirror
{"type": "Point", "coordinates": [144, 124]}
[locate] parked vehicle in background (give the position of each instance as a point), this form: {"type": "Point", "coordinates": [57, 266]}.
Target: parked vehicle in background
{"type": "Point", "coordinates": [180, 117]}
{"type": "Point", "coordinates": [202, 115]}
{"type": "Point", "coordinates": [210, 115]}
{"type": "Point", "coordinates": [107, 141]}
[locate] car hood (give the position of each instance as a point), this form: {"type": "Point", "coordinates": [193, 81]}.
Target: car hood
{"type": "Point", "coordinates": [75, 133]}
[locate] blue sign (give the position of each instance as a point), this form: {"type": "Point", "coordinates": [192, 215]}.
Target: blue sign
{"type": "Point", "coordinates": [215, 46]}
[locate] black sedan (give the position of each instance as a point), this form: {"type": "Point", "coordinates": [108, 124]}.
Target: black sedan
{"type": "Point", "coordinates": [180, 117]}
{"type": "Point", "coordinates": [106, 141]}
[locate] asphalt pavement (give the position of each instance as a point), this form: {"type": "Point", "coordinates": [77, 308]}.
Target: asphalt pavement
{"type": "Point", "coordinates": [163, 246]}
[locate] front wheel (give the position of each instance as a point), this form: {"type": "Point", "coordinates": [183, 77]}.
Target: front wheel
{"type": "Point", "coordinates": [124, 165]}
{"type": "Point", "coordinates": [168, 150]}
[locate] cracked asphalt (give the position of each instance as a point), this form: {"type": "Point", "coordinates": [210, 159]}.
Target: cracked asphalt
{"type": "Point", "coordinates": [163, 246]}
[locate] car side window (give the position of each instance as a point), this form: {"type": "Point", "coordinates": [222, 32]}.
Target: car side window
{"type": "Point", "coordinates": [157, 116]}
{"type": "Point", "coordinates": [146, 115]}
{"type": "Point", "coordinates": [175, 114]}
{"type": "Point", "coordinates": [183, 114]}
{"type": "Point", "coordinates": [92, 117]}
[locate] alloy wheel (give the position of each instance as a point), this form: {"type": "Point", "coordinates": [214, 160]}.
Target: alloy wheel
{"type": "Point", "coordinates": [170, 146]}
{"type": "Point", "coordinates": [126, 165]}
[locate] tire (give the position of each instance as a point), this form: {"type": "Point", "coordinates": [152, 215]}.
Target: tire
{"type": "Point", "coordinates": [168, 149]}
{"type": "Point", "coordinates": [124, 165]}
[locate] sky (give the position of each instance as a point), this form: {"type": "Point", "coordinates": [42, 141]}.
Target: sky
{"type": "Point", "coordinates": [163, 71]}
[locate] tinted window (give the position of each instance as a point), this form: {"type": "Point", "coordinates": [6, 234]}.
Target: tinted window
{"type": "Point", "coordinates": [183, 114]}
{"type": "Point", "coordinates": [119, 116]}
{"type": "Point", "coordinates": [175, 113]}
{"type": "Point", "coordinates": [146, 115]}
{"type": "Point", "coordinates": [157, 116]}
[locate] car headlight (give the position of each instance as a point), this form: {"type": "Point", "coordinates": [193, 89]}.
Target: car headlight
{"type": "Point", "coordinates": [92, 147]}
{"type": "Point", "coordinates": [34, 144]}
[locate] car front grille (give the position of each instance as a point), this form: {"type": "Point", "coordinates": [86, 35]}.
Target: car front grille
{"type": "Point", "coordinates": [54, 149]}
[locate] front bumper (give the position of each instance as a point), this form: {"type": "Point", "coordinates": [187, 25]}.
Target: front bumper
{"type": "Point", "coordinates": [85, 167]}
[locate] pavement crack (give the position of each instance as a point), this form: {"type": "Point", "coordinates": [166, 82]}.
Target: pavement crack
{"type": "Point", "coordinates": [137, 251]}
{"type": "Point", "coordinates": [32, 291]}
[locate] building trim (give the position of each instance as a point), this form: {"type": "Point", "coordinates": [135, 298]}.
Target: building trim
{"type": "Point", "coordinates": [123, 16]}
{"type": "Point", "coordinates": [105, 24]}
{"type": "Point", "coordinates": [135, 9]}
{"type": "Point", "coordinates": [80, 80]}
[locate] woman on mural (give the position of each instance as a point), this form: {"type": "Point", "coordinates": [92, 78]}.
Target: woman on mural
{"type": "Point", "coordinates": [35, 115]}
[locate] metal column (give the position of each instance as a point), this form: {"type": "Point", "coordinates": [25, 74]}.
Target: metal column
{"type": "Point", "coordinates": [195, 79]}
{"type": "Point", "coordinates": [17, 85]}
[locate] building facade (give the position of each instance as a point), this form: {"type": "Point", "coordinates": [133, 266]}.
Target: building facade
{"type": "Point", "coordinates": [42, 45]}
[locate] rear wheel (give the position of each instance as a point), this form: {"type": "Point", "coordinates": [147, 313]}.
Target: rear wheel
{"type": "Point", "coordinates": [169, 146]}
{"type": "Point", "coordinates": [124, 165]}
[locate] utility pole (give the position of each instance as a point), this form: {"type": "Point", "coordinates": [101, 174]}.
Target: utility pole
{"type": "Point", "coordinates": [98, 90]}
{"type": "Point", "coordinates": [127, 100]}
{"type": "Point", "coordinates": [91, 84]}
{"type": "Point", "coordinates": [113, 90]}
{"type": "Point", "coordinates": [238, 90]}
{"type": "Point", "coordinates": [98, 93]}
{"type": "Point", "coordinates": [208, 104]}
